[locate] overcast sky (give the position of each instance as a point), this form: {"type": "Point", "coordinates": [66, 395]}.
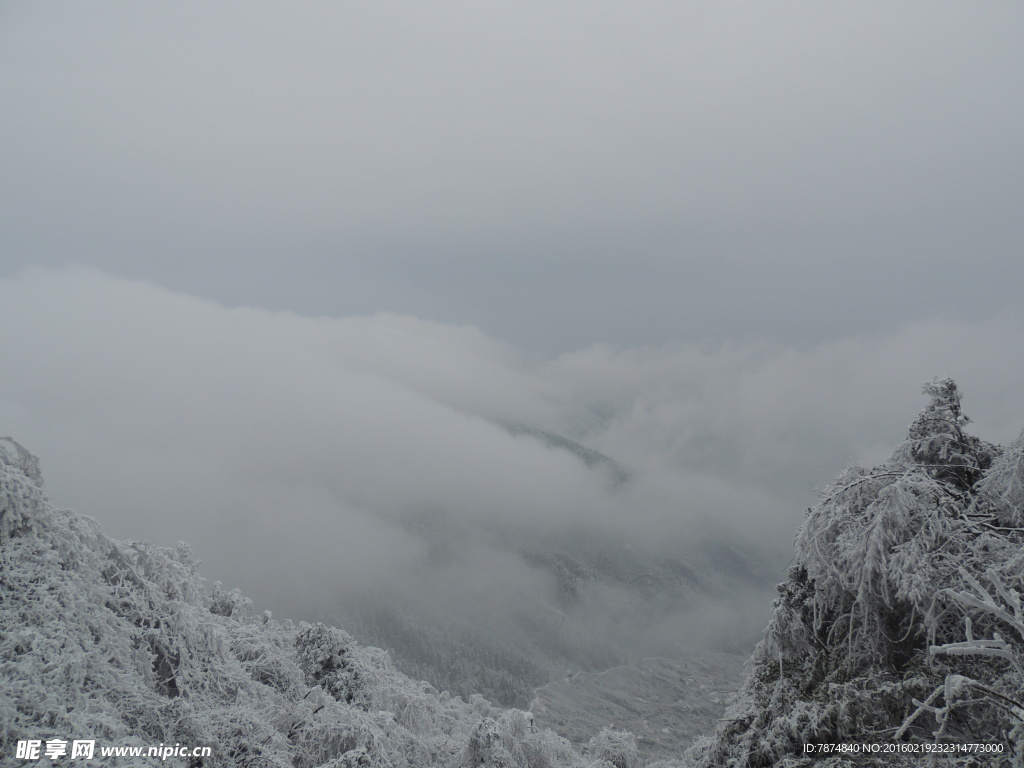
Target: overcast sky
{"type": "Point", "coordinates": [553, 174]}
{"type": "Point", "coordinates": [258, 257]}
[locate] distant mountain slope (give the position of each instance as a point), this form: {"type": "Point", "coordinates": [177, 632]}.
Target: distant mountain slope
{"type": "Point", "coordinates": [599, 602]}
{"type": "Point", "coordinates": [899, 637]}
{"type": "Point", "coordinates": [126, 644]}
{"type": "Point", "coordinates": [665, 703]}
{"type": "Point", "coordinates": [596, 599]}
{"type": "Point", "coordinates": [616, 473]}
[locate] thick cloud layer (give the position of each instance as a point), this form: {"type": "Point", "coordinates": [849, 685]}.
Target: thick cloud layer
{"type": "Point", "coordinates": [293, 452]}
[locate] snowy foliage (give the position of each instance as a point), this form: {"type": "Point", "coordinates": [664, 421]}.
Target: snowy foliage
{"type": "Point", "coordinates": [902, 617]}
{"type": "Point", "coordinates": [1001, 491]}
{"type": "Point", "coordinates": [125, 643]}
{"type": "Point", "coordinates": [615, 748]}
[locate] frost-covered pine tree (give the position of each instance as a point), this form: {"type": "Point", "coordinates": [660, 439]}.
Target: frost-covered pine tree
{"type": "Point", "coordinates": [901, 620]}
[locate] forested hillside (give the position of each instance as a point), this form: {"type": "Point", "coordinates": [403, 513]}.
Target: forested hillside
{"type": "Point", "coordinates": [125, 644]}
{"type": "Point", "coordinates": [901, 624]}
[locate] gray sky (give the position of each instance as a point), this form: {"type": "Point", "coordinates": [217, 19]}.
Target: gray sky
{"type": "Point", "coordinates": [271, 275]}
{"type": "Point", "coordinates": [554, 174]}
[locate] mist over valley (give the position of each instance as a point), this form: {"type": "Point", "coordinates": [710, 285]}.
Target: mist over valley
{"type": "Point", "coordinates": [496, 520]}
{"type": "Point", "coordinates": [512, 385]}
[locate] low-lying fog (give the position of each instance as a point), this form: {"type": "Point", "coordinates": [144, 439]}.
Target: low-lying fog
{"type": "Point", "coordinates": [314, 461]}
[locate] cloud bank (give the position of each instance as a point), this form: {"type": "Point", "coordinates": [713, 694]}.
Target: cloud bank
{"type": "Point", "coordinates": [296, 454]}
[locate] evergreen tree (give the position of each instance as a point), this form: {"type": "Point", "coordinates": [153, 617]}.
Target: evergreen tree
{"type": "Point", "coordinates": [901, 620]}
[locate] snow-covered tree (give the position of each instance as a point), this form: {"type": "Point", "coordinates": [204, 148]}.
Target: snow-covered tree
{"type": "Point", "coordinates": [901, 618]}
{"type": "Point", "coordinates": [615, 748]}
